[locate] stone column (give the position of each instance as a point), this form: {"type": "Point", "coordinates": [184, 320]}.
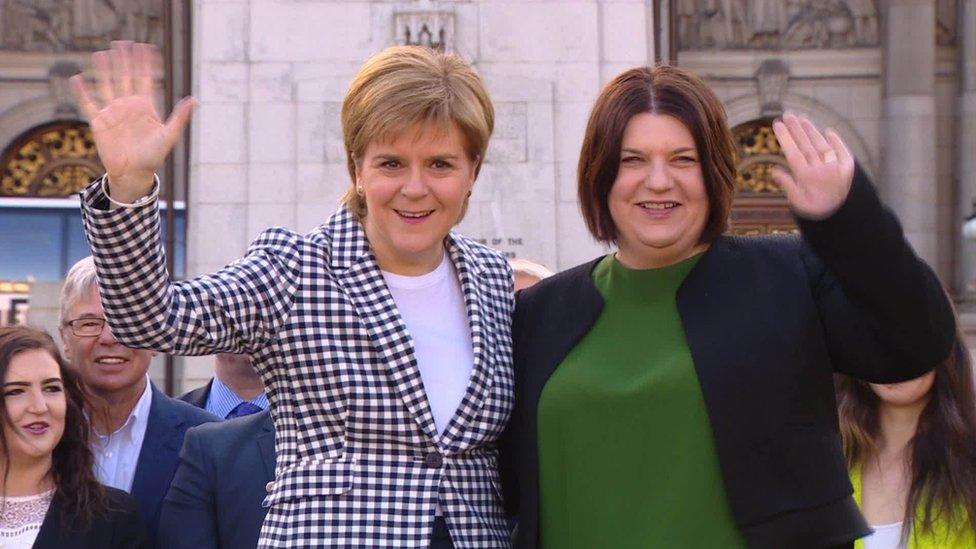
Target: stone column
{"type": "Point", "coordinates": [908, 183]}
{"type": "Point", "coordinates": [966, 191]}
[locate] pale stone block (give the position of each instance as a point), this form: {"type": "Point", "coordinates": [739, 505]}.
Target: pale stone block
{"type": "Point", "coordinates": [836, 96]}
{"type": "Point", "coordinates": [910, 144]}
{"type": "Point", "coordinates": [610, 70]}
{"type": "Point", "coordinates": [271, 132]}
{"type": "Point", "coordinates": [625, 32]}
{"type": "Point", "coordinates": [215, 235]}
{"type": "Point", "coordinates": [508, 141]}
{"type": "Point", "coordinates": [869, 130]}
{"type": "Point", "coordinates": [467, 31]}
{"type": "Point", "coordinates": [866, 100]}
{"type": "Point", "coordinates": [320, 133]}
{"type": "Point", "coordinates": [219, 184]}
{"type": "Point", "coordinates": [324, 89]}
{"type": "Point", "coordinates": [543, 31]}
{"type": "Point", "coordinates": [571, 121]}
{"type": "Point", "coordinates": [566, 181]}
{"type": "Point", "coordinates": [196, 372]}
{"type": "Point", "coordinates": [225, 36]}
{"type": "Point", "coordinates": [311, 214]}
{"type": "Point", "coordinates": [222, 82]}
{"type": "Point", "coordinates": [263, 216]}
{"type": "Point", "coordinates": [220, 134]}
{"type": "Point", "coordinates": [271, 183]}
{"type": "Point", "coordinates": [519, 229]}
{"type": "Point", "coordinates": [271, 82]}
{"type": "Point", "coordinates": [312, 30]}
{"type": "Point", "coordinates": [320, 182]}
{"type": "Point", "coordinates": [540, 129]}
{"type": "Point", "coordinates": [519, 182]}
{"type": "Point", "coordinates": [574, 243]}
{"type": "Point", "coordinates": [569, 81]}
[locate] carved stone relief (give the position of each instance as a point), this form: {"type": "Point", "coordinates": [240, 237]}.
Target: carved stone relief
{"type": "Point", "coordinates": [434, 29]}
{"type": "Point", "coordinates": [946, 18]}
{"type": "Point", "coordinates": [79, 25]}
{"type": "Point", "coordinates": [776, 24]}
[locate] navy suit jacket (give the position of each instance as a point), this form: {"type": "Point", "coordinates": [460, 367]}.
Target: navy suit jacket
{"type": "Point", "coordinates": [198, 397]}
{"type": "Point", "coordinates": [215, 498]}
{"type": "Point", "coordinates": [169, 419]}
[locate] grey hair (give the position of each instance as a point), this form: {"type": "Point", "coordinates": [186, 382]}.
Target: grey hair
{"type": "Point", "coordinates": [530, 268]}
{"type": "Point", "coordinates": [80, 281]}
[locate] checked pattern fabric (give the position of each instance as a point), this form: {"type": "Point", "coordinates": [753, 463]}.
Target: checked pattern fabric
{"type": "Point", "coordinates": [360, 462]}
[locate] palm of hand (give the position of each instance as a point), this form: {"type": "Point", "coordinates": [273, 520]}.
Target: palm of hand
{"type": "Point", "coordinates": [130, 137]}
{"type": "Point", "coordinates": [822, 188]}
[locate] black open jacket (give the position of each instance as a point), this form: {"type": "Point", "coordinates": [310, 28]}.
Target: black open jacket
{"type": "Point", "coordinates": [768, 321]}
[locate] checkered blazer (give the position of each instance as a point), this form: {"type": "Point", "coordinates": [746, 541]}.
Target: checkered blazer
{"type": "Point", "coordinates": [360, 461]}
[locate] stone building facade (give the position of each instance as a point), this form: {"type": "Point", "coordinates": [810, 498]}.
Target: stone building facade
{"type": "Point", "coordinates": [896, 78]}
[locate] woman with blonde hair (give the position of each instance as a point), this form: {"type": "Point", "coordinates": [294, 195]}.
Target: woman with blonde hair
{"type": "Point", "coordinates": [382, 336]}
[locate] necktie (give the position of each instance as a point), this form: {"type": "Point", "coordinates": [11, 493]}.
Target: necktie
{"type": "Point", "coordinates": [243, 409]}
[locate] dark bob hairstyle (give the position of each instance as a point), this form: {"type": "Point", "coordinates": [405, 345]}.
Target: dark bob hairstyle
{"type": "Point", "coordinates": [664, 90]}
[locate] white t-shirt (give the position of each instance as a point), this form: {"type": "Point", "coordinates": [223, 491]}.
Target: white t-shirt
{"type": "Point", "coordinates": [432, 307]}
{"type": "Point", "coordinates": [885, 536]}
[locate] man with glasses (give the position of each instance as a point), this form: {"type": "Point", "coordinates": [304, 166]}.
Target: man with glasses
{"type": "Point", "coordinates": [138, 430]}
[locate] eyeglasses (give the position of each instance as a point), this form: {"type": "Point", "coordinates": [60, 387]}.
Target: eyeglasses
{"type": "Point", "coordinates": [86, 327]}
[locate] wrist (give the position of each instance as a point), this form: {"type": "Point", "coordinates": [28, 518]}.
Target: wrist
{"type": "Point", "coordinates": [129, 188]}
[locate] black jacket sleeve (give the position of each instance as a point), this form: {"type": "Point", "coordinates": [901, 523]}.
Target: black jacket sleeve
{"type": "Point", "coordinates": [885, 313]}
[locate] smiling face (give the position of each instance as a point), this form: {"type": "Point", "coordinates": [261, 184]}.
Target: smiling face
{"type": "Point", "coordinates": [658, 201]}
{"type": "Point", "coordinates": [415, 188]}
{"type": "Point", "coordinates": [106, 367]}
{"type": "Point", "coordinates": [35, 404]}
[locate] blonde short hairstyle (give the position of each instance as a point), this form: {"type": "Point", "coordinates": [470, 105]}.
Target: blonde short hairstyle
{"type": "Point", "coordinates": [405, 85]}
{"type": "Point", "coordinates": [530, 268]}
{"type": "Point", "coordinates": [80, 281]}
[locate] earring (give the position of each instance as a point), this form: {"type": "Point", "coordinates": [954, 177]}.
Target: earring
{"type": "Point", "coordinates": [360, 191]}
{"type": "Point", "coordinates": [468, 195]}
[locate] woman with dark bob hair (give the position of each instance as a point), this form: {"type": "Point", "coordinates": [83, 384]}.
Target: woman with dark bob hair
{"type": "Point", "coordinates": [678, 392]}
{"type": "Point", "coordinates": [50, 495]}
{"type": "Point", "coordinates": [911, 450]}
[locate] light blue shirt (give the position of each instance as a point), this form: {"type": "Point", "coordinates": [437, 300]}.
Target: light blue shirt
{"type": "Point", "coordinates": [222, 400]}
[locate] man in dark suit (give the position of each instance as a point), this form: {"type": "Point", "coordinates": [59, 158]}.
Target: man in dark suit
{"type": "Point", "coordinates": [236, 389]}
{"type": "Point", "coordinates": [216, 496]}
{"type": "Point", "coordinates": [139, 431]}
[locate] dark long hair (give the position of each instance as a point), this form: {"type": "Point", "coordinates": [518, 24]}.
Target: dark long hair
{"type": "Point", "coordinates": [942, 453]}
{"type": "Point", "coordinates": [76, 488]}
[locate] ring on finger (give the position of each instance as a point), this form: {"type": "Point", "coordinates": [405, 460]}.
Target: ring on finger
{"type": "Point", "coordinates": [830, 157]}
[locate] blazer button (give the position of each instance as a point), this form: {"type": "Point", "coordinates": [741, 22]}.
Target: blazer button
{"type": "Point", "coordinates": [433, 459]}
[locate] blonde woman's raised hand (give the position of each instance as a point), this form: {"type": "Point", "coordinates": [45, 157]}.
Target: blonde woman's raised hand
{"type": "Point", "coordinates": [821, 167]}
{"type": "Point", "coordinates": [131, 137]}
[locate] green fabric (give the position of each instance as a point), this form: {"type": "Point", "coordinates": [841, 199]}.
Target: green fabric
{"type": "Point", "coordinates": [626, 456]}
{"type": "Point", "coordinates": [939, 538]}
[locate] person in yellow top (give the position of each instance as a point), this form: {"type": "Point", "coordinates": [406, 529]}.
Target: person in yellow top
{"type": "Point", "coordinates": [911, 451]}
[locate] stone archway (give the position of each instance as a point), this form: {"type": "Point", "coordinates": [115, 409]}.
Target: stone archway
{"type": "Point", "coordinates": [55, 159]}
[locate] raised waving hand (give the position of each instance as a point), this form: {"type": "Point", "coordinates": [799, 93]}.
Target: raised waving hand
{"type": "Point", "coordinates": [821, 166]}
{"type": "Point", "coordinates": [131, 137]}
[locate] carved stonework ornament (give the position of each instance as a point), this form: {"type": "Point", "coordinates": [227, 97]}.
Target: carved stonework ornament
{"type": "Point", "coordinates": [772, 78]}
{"type": "Point", "coordinates": [776, 24]}
{"type": "Point", "coordinates": [434, 29]}
{"type": "Point", "coordinates": [54, 160]}
{"type": "Point", "coordinates": [78, 25]}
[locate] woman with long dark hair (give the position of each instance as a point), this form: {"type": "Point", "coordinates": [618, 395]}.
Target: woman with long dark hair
{"type": "Point", "coordinates": [911, 449]}
{"type": "Point", "coordinates": [50, 497]}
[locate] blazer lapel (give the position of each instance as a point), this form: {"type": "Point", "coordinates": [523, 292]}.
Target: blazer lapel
{"type": "Point", "coordinates": [266, 444]}
{"type": "Point", "coordinates": [355, 269]}
{"type": "Point", "coordinates": [162, 438]}
{"type": "Point", "coordinates": [49, 534]}
{"type": "Point", "coordinates": [469, 272]}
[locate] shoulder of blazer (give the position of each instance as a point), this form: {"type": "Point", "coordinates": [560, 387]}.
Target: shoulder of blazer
{"type": "Point", "coordinates": [198, 397]}
{"type": "Point", "coordinates": [571, 290]}
{"type": "Point", "coordinates": [176, 412]}
{"type": "Point", "coordinates": [121, 512]}
{"type": "Point", "coordinates": [219, 436]}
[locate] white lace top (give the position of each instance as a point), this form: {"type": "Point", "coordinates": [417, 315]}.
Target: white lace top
{"type": "Point", "coordinates": [21, 518]}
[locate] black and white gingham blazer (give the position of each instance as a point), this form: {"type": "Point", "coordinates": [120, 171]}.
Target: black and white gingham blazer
{"type": "Point", "coordinates": [360, 461]}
